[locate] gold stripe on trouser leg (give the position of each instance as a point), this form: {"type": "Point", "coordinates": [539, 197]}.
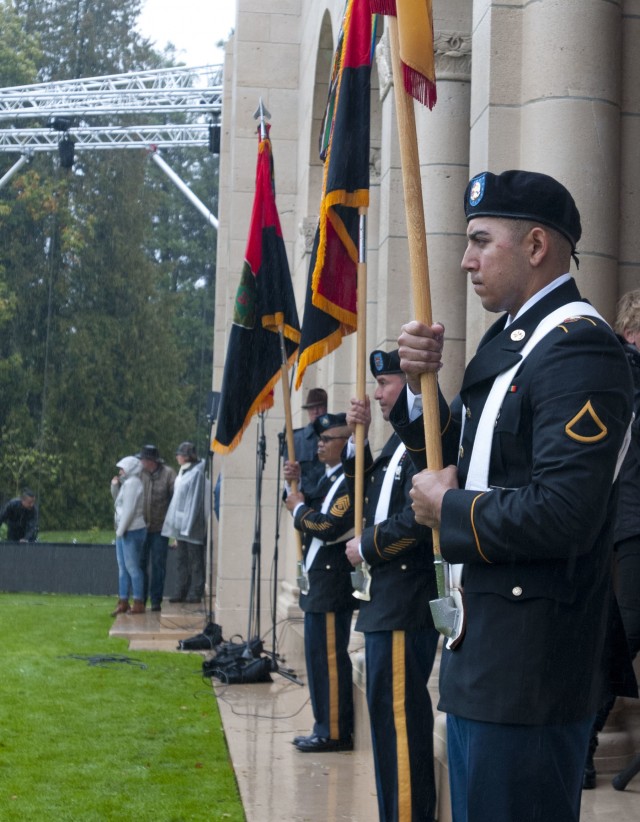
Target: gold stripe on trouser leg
{"type": "Point", "coordinates": [400, 720]}
{"type": "Point", "coordinates": [332, 666]}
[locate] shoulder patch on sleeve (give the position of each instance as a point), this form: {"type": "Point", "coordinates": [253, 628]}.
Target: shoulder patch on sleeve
{"type": "Point", "coordinates": [586, 426]}
{"type": "Point", "coordinates": [340, 507]}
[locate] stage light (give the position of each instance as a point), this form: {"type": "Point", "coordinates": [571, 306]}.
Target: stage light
{"type": "Point", "coordinates": [214, 136]}
{"type": "Point", "coordinates": [60, 123]}
{"type": "Point", "coordinates": [65, 150]}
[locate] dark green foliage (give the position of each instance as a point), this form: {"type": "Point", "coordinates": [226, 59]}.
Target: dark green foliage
{"type": "Point", "coordinates": [106, 280]}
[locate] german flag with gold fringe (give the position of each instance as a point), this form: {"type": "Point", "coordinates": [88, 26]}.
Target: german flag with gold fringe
{"type": "Point", "coordinates": [415, 36]}
{"type": "Point", "coordinates": [330, 303]}
{"type": "Point", "coordinates": [264, 304]}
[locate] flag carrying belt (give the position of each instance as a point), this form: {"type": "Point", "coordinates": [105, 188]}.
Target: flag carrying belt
{"type": "Point", "coordinates": [478, 474]}
{"type": "Point", "coordinates": [317, 543]}
{"type": "Point", "coordinates": [384, 500]}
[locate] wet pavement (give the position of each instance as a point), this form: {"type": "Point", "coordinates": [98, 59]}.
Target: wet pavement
{"type": "Point", "coordinates": [278, 783]}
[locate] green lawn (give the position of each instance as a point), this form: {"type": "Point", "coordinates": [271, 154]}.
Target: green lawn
{"type": "Point", "coordinates": [91, 732]}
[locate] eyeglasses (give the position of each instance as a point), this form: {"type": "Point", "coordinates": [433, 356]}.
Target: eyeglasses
{"type": "Point", "coordinates": [325, 438]}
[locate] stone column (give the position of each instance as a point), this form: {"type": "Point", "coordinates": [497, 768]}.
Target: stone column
{"type": "Point", "coordinates": [265, 64]}
{"type": "Point", "coordinates": [444, 161]}
{"type": "Point", "coordinates": [570, 123]}
{"type": "Point", "coordinates": [629, 255]}
{"type": "Point", "coordinates": [494, 113]}
{"type": "Point", "coordinates": [546, 97]}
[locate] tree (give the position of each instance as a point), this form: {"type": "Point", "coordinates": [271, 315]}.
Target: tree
{"type": "Point", "coordinates": [19, 52]}
{"type": "Point", "coordinates": [106, 281]}
{"type": "Point", "coordinates": [26, 465]}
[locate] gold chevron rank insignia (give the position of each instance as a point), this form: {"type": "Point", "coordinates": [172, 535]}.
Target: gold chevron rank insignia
{"type": "Point", "coordinates": [340, 506]}
{"type": "Point", "coordinates": [586, 426]}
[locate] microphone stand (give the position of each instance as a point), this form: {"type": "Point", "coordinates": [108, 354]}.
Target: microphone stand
{"type": "Point", "coordinates": [253, 628]}
{"type": "Point", "coordinates": [287, 673]}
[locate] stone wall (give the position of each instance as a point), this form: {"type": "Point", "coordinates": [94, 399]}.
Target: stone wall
{"type": "Point", "coordinates": [65, 568]}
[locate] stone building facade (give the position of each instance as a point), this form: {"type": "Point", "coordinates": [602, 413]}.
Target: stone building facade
{"type": "Point", "coordinates": [546, 85]}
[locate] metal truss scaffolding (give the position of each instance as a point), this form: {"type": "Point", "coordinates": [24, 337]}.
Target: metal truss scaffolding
{"type": "Point", "coordinates": [84, 111]}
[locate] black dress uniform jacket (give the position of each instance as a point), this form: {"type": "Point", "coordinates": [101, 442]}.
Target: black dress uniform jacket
{"type": "Point", "coordinates": [330, 574]}
{"type": "Point", "coordinates": [536, 548]}
{"type": "Point", "coordinates": [398, 550]}
{"type": "Point", "coordinates": [628, 513]}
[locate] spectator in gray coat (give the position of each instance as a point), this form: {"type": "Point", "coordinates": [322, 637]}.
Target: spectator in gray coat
{"type": "Point", "coordinates": [185, 524]}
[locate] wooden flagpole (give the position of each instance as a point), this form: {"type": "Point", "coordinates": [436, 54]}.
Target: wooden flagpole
{"type": "Point", "coordinates": [288, 419]}
{"type": "Point", "coordinates": [419, 264]}
{"type": "Point", "coordinates": [261, 114]}
{"type": "Point", "coordinates": [361, 372]}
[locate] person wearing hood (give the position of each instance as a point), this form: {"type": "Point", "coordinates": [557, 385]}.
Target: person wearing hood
{"type": "Point", "coordinates": [128, 494]}
{"type": "Point", "coordinates": [185, 524]}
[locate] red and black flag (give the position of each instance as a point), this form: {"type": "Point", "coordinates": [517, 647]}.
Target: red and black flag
{"type": "Point", "coordinates": [330, 303]}
{"type": "Point", "coordinates": [265, 305]}
{"type": "Point", "coordinates": [415, 35]}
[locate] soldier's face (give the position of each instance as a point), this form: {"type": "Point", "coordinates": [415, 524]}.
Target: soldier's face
{"type": "Point", "coordinates": [388, 388]}
{"type": "Point", "coordinates": [495, 259]}
{"type": "Point", "coordinates": [330, 445]}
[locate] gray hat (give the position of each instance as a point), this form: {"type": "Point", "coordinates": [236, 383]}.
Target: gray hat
{"type": "Point", "coordinates": [149, 452]}
{"type": "Point", "coordinates": [187, 449]}
{"type": "Point", "coordinates": [315, 397]}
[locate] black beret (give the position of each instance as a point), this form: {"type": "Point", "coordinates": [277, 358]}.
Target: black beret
{"type": "Point", "coordinates": [524, 195]}
{"type": "Point", "coordinates": [383, 362]}
{"type": "Point", "coordinates": [326, 421]}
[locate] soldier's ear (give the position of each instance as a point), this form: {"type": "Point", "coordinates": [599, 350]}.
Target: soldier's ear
{"type": "Point", "coordinates": [537, 245]}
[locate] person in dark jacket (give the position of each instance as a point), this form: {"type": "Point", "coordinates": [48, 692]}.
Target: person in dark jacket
{"type": "Point", "coordinates": [158, 481]}
{"type": "Point", "coordinates": [626, 533]}
{"type": "Point", "coordinates": [400, 639]}
{"type": "Point", "coordinates": [526, 517]}
{"type": "Point", "coordinates": [627, 525]}
{"type": "Point", "coordinates": [325, 517]}
{"type": "Point", "coordinates": [21, 516]}
{"type": "Point", "coordinates": [305, 440]}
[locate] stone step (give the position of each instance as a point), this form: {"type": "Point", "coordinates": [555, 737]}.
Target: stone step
{"type": "Point", "coordinates": [161, 630]}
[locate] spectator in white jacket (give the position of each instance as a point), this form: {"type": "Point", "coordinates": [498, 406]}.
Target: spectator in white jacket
{"type": "Point", "coordinates": [185, 524]}
{"type": "Point", "coordinates": [127, 492]}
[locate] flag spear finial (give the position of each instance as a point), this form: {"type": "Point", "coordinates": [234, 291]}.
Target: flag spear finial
{"type": "Point", "coordinates": [262, 113]}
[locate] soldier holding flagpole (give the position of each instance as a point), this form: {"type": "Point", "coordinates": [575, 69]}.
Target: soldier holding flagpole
{"type": "Point", "coordinates": [324, 516]}
{"type": "Point", "coordinates": [400, 639]}
{"type": "Point", "coordinates": [528, 512]}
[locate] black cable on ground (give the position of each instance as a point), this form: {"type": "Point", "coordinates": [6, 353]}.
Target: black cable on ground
{"type": "Point", "coordinates": [103, 660]}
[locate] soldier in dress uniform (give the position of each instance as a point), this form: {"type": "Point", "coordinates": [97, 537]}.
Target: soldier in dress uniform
{"type": "Point", "coordinates": [325, 517]}
{"type": "Point", "coordinates": [400, 639]}
{"type": "Point", "coordinates": [527, 515]}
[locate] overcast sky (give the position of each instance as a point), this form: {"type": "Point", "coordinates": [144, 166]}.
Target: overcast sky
{"type": "Point", "coordinates": [193, 26]}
